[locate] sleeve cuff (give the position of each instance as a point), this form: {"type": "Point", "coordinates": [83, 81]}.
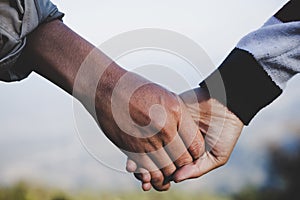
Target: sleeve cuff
{"type": "Point", "coordinates": [289, 12]}
{"type": "Point", "coordinates": [247, 87]}
{"type": "Point", "coordinates": [18, 20]}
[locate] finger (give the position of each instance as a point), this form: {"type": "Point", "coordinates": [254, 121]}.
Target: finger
{"type": "Point", "coordinates": [157, 181]}
{"type": "Point", "coordinates": [190, 171]}
{"type": "Point", "coordinates": [191, 136]}
{"type": "Point", "coordinates": [130, 166]}
{"type": "Point", "coordinates": [174, 153]}
{"type": "Point", "coordinates": [197, 169]}
{"type": "Point", "coordinates": [163, 162]}
{"type": "Point", "coordinates": [147, 182]}
{"type": "Point", "coordinates": [157, 177]}
{"type": "Point", "coordinates": [178, 152]}
{"type": "Point", "coordinates": [143, 175]}
{"type": "Point", "coordinates": [146, 186]}
{"type": "Point", "coordinates": [158, 154]}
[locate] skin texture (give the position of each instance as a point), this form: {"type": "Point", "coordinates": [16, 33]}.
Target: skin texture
{"type": "Point", "coordinates": [57, 53]}
{"type": "Point", "coordinates": [221, 129]}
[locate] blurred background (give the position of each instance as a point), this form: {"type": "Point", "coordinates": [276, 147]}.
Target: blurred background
{"type": "Point", "coordinates": [42, 157]}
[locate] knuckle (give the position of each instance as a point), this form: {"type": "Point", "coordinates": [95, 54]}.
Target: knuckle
{"type": "Point", "coordinates": [223, 161]}
{"type": "Point", "coordinates": [196, 149]}
{"type": "Point", "coordinates": [156, 178]}
{"type": "Point", "coordinates": [172, 103]}
{"type": "Point", "coordinates": [157, 124]}
{"type": "Point", "coordinates": [168, 171]}
{"type": "Point", "coordinates": [153, 145]}
{"type": "Point", "coordinates": [175, 108]}
{"type": "Point", "coordinates": [183, 161]}
{"type": "Point", "coordinates": [167, 135]}
{"type": "Point", "coordinates": [150, 144]}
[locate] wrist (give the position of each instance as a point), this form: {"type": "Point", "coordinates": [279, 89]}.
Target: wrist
{"type": "Point", "coordinates": [247, 87]}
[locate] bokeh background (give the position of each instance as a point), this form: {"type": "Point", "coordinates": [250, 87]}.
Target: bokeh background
{"type": "Point", "coordinates": [41, 155]}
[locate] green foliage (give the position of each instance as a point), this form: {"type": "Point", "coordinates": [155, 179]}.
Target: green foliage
{"type": "Point", "coordinates": [23, 191]}
{"type": "Point", "coordinates": [283, 183]}
{"type": "Point", "coordinates": [162, 196]}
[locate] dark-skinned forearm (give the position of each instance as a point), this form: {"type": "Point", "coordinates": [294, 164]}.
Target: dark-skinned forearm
{"type": "Point", "coordinates": [57, 54]}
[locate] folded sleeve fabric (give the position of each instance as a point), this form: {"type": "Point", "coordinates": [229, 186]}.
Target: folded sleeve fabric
{"type": "Point", "coordinates": [256, 72]}
{"type": "Point", "coordinates": [17, 19]}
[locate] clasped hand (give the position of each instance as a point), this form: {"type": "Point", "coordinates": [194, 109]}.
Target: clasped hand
{"type": "Point", "coordinates": [163, 133]}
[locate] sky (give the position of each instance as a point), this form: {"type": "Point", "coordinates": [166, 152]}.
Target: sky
{"type": "Point", "coordinates": [42, 128]}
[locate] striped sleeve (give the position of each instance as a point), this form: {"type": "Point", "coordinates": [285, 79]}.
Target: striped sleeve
{"type": "Point", "coordinates": [256, 72]}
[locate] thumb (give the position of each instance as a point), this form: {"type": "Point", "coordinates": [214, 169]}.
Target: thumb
{"type": "Point", "coordinates": [197, 169]}
{"type": "Point", "coordinates": [186, 172]}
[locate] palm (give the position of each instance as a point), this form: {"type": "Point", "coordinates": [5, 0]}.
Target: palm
{"type": "Point", "coordinates": [220, 127]}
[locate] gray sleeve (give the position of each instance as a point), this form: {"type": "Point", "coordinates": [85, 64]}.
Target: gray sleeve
{"type": "Point", "coordinates": [276, 47]}
{"type": "Point", "coordinates": [18, 18]}
{"type": "Point", "coordinates": [257, 70]}
{"type": "Point", "coordinates": [255, 73]}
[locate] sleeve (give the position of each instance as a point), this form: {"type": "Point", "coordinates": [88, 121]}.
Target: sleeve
{"type": "Point", "coordinates": [256, 72]}
{"type": "Point", "coordinates": [19, 18]}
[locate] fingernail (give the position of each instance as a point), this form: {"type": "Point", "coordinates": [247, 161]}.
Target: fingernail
{"type": "Point", "coordinates": [179, 179]}
{"type": "Point", "coordinates": [146, 187]}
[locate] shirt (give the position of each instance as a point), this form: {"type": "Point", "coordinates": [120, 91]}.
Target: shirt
{"type": "Point", "coordinates": [18, 18]}
{"type": "Point", "coordinates": [257, 70]}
